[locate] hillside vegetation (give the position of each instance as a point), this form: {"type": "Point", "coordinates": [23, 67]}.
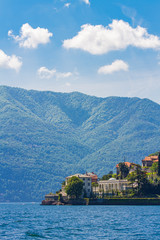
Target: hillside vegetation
{"type": "Point", "coordinates": [45, 136]}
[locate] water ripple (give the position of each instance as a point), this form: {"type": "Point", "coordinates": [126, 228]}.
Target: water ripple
{"type": "Point", "coordinates": [28, 221]}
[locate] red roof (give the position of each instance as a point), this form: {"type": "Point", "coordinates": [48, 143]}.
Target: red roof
{"type": "Point", "coordinates": [92, 175]}
{"type": "Point", "coordinates": [155, 160]}
{"type": "Point", "coordinates": [154, 157]}
{"type": "Point", "coordinates": [151, 159]}
{"type": "Point", "coordinates": [128, 164]}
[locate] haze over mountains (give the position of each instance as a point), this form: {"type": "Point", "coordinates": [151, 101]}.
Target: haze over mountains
{"type": "Point", "coordinates": [46, 136]}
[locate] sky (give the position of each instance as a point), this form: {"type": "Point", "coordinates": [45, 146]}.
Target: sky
{"type": "Point", "coordinates": [97, 47]}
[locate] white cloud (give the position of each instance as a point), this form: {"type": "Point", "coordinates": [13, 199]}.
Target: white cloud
{"type": "Point", "coordinates": [86, 1]}
{"type": "Point", "coordinates": [44, 72]}
{"type": "Point", "coordinates": [117, 65]}
{"type": "Point", "coordinates": [12, 62]}
{"type": "Point", "coordinates": [117, 35]}
{"type": "Point", "coordinates": [67, 5]}
{"type": "Point", "coordinates": [30, 37]}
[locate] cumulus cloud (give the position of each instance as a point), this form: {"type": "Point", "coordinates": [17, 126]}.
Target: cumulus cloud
{"type": "Point", "coordinates": [12, 62]}
{"type": "Point", "coordinates": [86, 1]}
{"type": "Point", "coordinates": [31, 37]}
{"type": "Point", "coordinates": [67, 5]}
{"type": "Point", "coordinates": [44, 72]}
{"type": "Point", "coordinates": [117, 35]}
{"type": "Point", "coordinates": [116, 66]}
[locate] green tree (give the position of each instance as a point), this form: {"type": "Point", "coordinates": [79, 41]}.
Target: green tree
{"type": "Point", "coordinates": [132, 178]}
{"type": "Point", "coordinates": [106, 177]}
{"type": "Point", "coordinates": [140, 178]}
{"type": "Point", "coordinates": [154, 167]}
{"type": "Point", "coordinates": [143, 184]}
{"type": "Point", "coordinates": [74, 187]}
{"type": "Point", "coordinates": [123, 169]}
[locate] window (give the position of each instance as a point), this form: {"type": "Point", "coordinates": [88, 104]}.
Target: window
{"type": "Point", "coordinates": [88, 184]}
{"type": "Point", "coordinates": [83, 179]}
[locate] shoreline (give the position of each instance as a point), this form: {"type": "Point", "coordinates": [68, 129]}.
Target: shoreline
{"type": "Point", "coordinates": [104, 201]}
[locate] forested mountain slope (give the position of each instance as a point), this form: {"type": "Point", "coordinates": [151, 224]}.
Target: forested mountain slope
{"type": "Point", "coordinates": [45, 136]}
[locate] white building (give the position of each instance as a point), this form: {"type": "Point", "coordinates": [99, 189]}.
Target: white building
{"type": "Point", "coordinates": [87, 180]}
{"type": "Point", "coordinates": [113, 185]}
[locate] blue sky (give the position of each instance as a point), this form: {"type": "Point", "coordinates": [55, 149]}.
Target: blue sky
{"type": "Point", "coordinates": [98, 47]}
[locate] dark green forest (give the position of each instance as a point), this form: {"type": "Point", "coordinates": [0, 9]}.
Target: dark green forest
{"type": "Point", "coordinates": [45, 136]}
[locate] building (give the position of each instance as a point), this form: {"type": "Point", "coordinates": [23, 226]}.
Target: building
{"type": "Point", "coordinates": [93, 176]}
{"type": "Point", "coordinates": [131, 167]}
{"type": "Point", "coordinates": [148, 161]}
{"type": "Point", "coordinates": [113, 185]}
{"type": "Point", "coordinates": [87, 180]}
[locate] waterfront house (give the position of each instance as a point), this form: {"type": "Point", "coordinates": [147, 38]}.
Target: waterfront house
{"type": "Point", "coordinates": [148, 161]}
{"type": "Point", "coordinates": [87, 180]}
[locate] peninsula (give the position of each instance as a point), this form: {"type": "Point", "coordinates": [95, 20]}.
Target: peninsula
{"type": "Point", "coordinates": [132, 184]}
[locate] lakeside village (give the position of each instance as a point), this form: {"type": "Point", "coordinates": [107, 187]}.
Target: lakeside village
{"type": "Point", "coordinates": [132, 184]}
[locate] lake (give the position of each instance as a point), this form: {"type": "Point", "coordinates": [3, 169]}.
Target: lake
{"type": "Point", "coordinates": [32, 221]}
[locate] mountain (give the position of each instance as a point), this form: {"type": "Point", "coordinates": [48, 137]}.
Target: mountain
{"type": "Point", "coordinates": [46, 136]}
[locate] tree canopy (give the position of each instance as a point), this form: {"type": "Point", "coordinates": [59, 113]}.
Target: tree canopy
{"type": "Point", "coordinates": [106, 177]}
{"type": "Point", "coordinates": [74, 187]}
{"type": "Point", "coordinates": [154, 167]}
{"type": "Point", "coordinates": [123, 169]}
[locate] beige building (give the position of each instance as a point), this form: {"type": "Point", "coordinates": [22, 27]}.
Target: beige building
{"type": "Point", "coordinates": [113, 185]}
{"type": "Point", "coordinates": [87, 180]}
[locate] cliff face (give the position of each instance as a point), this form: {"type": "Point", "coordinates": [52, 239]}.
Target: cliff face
{"type": "Point", "coordinates": [46, 136]}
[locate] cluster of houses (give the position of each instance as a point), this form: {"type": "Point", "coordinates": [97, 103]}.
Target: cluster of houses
{"type": "Point", "coordinates": [105, 186]}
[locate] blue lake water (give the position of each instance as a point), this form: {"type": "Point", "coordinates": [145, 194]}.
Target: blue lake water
{"type": "Point", "coordinates": [32, 221]}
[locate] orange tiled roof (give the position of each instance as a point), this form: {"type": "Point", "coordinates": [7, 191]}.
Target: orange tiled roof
{"type": "Point", "coordinates": [155, 160]}
{"type": "Point", "coordinates": [128, 164]}
{"type": "Point", "coordinates": [154, 157]}
{"type": "Point", "coordinates": [147, 159]}
{"type": "Point", "coordinates": [151, 158]}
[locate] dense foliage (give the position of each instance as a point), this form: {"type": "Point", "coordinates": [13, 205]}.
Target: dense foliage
{"type": "Point", "coordinates": [74, 188]}
{"type": "Point", "coordinates": [144, 185]}
{"type": "Point", "coordinates": [123, 170]}
{"type": "Point", "coordinates": [46, 136]}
